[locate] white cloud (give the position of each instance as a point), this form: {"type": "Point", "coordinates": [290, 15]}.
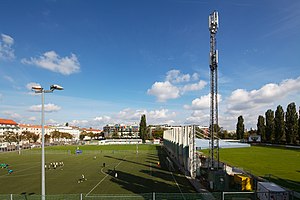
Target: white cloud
{"type": "Point", "coordinates": [52, 61]}
{"type": "Point", "coordinates": [47, 108]}
{"type": "Point", "coordinates": [201, 103]}
{"type": "Point", "coordinates": [198, 117]}
{"type": "Point", "coordinates": [80, 123]}
{"type": "Point", "coordinates": [31, 84]}
{"type": "Point", "coordinates": [252, 103]}
{"type": "Point", "coordinates": [173, 87]}
{"type": "Point", "coordinates": [6, 50]}
{"type": "Point", "coordinates": [195, 76]}
{"type": "Point", "coordinates": [102, 119]}
{"type": "Point", "coordinates": [193, 87]}
{"type": "Point", "coordinates": [241, 99]}
{"type": "Point", "coordinates": [175, 76]}
{"type": "Point", "coordinates": [164, 91]}
{"type": "Point", "coordinates": [12, 115]}
{"type": "Point", "coordinates": [96, 122]}
{"type": "Point", "coordinates": [7, 39]}
{"type": "Point", "coordinates": [32, 118]}
{"type": "Point", "coordinates": [9, 78]}
{"type": "Point", "coordinates": [52, 121]}
{"type": "Point", "coordinates": [130, 116]}
{"type": "Point", "coordinates": [160, 114]}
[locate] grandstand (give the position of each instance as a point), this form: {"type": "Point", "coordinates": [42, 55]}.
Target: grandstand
{"type": "Point", "coordinates": [204, 144]}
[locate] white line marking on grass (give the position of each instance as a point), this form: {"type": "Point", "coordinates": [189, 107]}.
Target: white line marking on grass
{"type": "Point", "coordinates": [103, 178]}
{"type": "Point", "coordinates": [97, 185]}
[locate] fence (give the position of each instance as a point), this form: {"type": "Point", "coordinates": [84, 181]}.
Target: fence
{"type": "Point", "coordinates": [89, 152]}
{"type": "Point", "coordinates": [144, 196]}
{"type": "Point", "coordinates": [154, 196]}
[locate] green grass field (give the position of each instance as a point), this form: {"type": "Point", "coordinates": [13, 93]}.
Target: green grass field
{"type": "Point", "coordinates": [137, 173]}
{"type": "Point", "coordinates": [282, 164]}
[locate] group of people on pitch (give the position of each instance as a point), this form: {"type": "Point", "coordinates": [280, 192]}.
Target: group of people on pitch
{"type": "Point", "coordinates": [5, 166]}
{"type": "Point", "coordinates": [54, 165]}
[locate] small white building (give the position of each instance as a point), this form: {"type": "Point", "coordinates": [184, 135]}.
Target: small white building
{"type": "Point", "coordinates": [74, 131]}
{"type": "Point", "coordinates": [254, 138]}
{"type": "Point", "coordinates": [120, 141]}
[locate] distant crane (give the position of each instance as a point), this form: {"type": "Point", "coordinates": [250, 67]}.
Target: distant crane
{"type": "Point", "coordinates": [213, 21]}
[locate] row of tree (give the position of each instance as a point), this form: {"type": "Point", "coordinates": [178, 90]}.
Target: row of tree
{"type": "Point", "coordinates": [90, 134]}
{"type": "Point", "coordinates": [280, 128]}
{"type": "Point", "coordinates": [10, 136]}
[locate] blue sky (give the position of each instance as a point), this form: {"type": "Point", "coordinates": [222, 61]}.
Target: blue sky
{"type": "Point", "coordinates": [118, 59]}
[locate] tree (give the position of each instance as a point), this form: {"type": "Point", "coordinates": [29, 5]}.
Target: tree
{"type": "Point", "coordinates": [299, 126]}
{"type": "Point", "coordinates": [66, 135]}
{"type": "Point", "coordinates": [30, 136]}
{"type": "Point", "coordinates": [269, 125]}
{"type": "Point", "coordinates": [47, 138]}
{"type": "Point", "coordinates": [35, 137]}
{"type": "Point", "coordinates": [261, 128]}
{"type": "Point", "coordinates": [56, 135]}
{"type": "Point", "coordinates": [158, 133]}
{"type": "Point", "coordinates": [240, 128]}
{"type": "Point", "coordinates": [291, 123]}
{"type": "Point", "coordinates": [224, 134]}
{"type": "Point", "coordinates": [143, 128]}
{"type": "Point", "coordinates": [10, 137]}
{"type": "Point", "coordinates": [279, 124]}
{"type": "Point", "coordinates": [90, 134]}
{"type": "Point", "coordinates": [82, 135]}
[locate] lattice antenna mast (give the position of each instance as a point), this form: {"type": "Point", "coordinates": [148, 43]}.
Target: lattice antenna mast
{"type": "Point", "coordinates": [213, 21]}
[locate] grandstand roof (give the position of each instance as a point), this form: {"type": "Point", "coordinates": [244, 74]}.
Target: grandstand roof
{"type": "Point", "coordinates": [8, 122]}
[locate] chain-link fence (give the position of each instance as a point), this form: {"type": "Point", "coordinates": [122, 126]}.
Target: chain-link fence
{"type": "Point", "coordinates": [159, 196]}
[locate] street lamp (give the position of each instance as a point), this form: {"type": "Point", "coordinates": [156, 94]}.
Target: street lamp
{"type": "Point", "coordinates": [39, 89]}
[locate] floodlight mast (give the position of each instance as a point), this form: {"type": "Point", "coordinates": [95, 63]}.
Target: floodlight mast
{"type": "Point", "coordinates": [213, 25]}
{"type": "Point", "coordinates": [39, 89]}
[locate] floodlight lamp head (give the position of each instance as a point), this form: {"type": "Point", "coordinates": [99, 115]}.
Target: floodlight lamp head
{"type": "Point", "coordinates": [56, 87]}
{"type": "Point", "coordinates": [37, 88]}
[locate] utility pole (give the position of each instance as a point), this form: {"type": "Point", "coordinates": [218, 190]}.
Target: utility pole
{"type": "Point", "coordinates": [213, 21]}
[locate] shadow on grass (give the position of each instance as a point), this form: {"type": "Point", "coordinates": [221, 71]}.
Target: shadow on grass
{"type": "Point", "coordinates": [138, 184]}
{"type": "Point", "coordinates": [162, 180]}
{"type": "Point", "coordinates": [182, 182]}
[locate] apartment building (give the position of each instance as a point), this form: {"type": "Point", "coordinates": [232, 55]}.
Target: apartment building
{"type": "Point", "coordinates": [8, 125]}
{"type": "Point", "coordinates": [121, 130]}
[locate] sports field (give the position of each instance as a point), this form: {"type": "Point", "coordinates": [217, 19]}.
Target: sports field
{"type": "Point", "coordinates": [279, 165]}
{"type": "Point", "coordinates": [136, 172]}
